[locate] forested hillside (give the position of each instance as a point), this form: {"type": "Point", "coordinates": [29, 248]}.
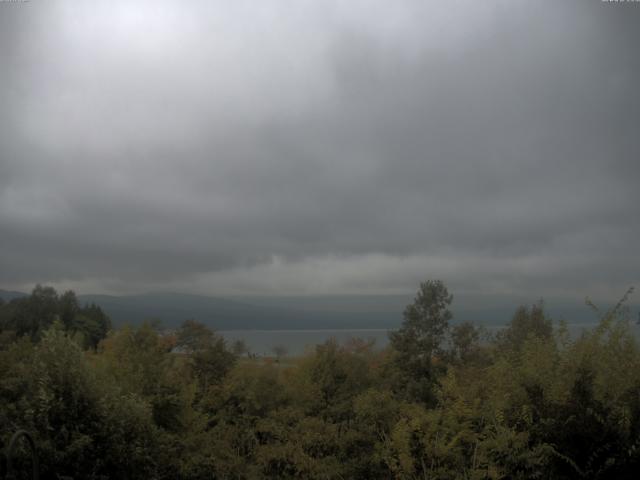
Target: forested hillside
{"type": "Point", "coordinates": [443, 401]}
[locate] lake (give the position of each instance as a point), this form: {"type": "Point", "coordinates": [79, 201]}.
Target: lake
{"type": "Point", "coordinates": [261, 342]}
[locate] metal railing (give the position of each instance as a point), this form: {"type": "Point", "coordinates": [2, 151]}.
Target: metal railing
{"type": "Point", "coordinates": [34, 455]}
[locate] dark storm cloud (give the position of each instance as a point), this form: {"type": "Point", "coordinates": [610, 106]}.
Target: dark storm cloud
{"type": "Point", "coordinates": [313, 146]}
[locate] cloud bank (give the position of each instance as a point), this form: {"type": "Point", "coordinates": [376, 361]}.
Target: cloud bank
{"type": "Point", "coordinates": [320, 147]}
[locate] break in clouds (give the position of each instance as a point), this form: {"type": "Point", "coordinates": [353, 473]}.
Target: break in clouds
{"type": "Point", "coordinates": [320, 146]}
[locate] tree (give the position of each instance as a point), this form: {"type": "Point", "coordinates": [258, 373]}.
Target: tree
{"type": "Point", "coordinates": [419, 339]}
{"type": "Point", "coordinates": [35, 313]}
{"type": "Point", "coordinates": [209, 357]}
{"type": "Point", "coordinates": [193, 336]}
{"type": "Point", "coordinates": [464, 341]}
{"type": "Point", "coordinates": [526, 322]}
{"type": "Point", "coordinates": [93, 323]}
{"type": "Point", "coordinates": [81, 422]}
{"type": "Point", "coordinates": [68, 307]}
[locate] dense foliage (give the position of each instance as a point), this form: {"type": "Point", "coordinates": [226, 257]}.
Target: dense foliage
{"type": "Point", "coordinates": [441, 402]}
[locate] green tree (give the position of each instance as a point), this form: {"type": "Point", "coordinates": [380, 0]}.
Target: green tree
{"type": "Point", "coordinates": [417, 345]}
{"type": "Point", "coordinates": [35, 313]}
{"type": "Point", "coordinates": [92, 323]}
{"type": "Point", "coordinates": [193, 336]}
{"type": "Point", "coordinates": [68, 308]}
{"type": "Point", "coordinates": [526, 322]}
{"type": "Point", "coordinates": [209, 357]}
{"type": "Point", "coordinates": [465, 338]}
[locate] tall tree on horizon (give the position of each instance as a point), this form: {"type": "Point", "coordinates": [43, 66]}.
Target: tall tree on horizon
{"type": "Point", "coordinates": [418, 341]}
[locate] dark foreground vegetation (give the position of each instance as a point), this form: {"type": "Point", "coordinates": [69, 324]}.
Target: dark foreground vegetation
{"type": "Point", "coordinates": [442, 402]}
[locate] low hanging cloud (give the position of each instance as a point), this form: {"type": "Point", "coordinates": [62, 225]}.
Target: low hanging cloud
{"type": "Point", "coordinates": [320, 147]}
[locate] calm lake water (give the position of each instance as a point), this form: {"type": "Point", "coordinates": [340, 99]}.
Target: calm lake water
{"type": "Point", "coordinates": [261, 342]}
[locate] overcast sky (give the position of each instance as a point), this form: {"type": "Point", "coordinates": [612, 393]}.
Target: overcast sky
{"type": "Point", "coordinates": [310, 147]}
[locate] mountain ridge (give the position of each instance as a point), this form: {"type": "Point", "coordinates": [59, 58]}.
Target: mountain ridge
{"type": "Point", "coordinates": [304, 312]}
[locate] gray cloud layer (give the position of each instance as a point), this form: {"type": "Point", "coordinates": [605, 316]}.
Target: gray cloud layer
{"type": "Point", "coordinates": [305, 146]}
